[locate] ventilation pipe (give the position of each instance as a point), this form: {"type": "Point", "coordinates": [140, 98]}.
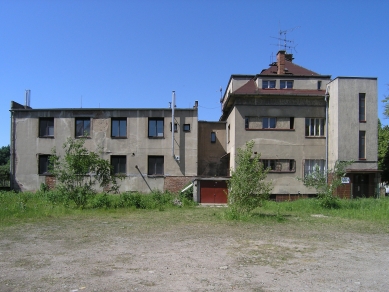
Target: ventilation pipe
{"type": "Point", "coordinates": [326, 99]}
{"type": "Point", "coordinates": [173, 106]}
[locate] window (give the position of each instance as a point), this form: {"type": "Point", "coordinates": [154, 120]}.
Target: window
{"type": "Point", "coordinates": [155, 165]}
{"type": "Point", "coordinates": [228, 133]}
{"type": "Point", "coordinates": [291, 123]}
{"type": "Point", "coordinates": [119, 128]}
{"type": "Point", "coordinates": [362, 107]}
{"type": "Point", "coordinates": [362, 144]}
{"type": "Point", "coordinates": [46, 127]}
{"type": "Point", "coordinates": [286, 84]}
{"type": "Point", "coordinates": [119, 164]}
{"type": "Point", "coordinates": [186, 127]}
{"type": "Point", "coordinates": [156, 127]}
{"type": "Point", "coordinates": [314, 127]}
{"type": "Point", "coordinates": [268, 84]}
{"type": "Point", "coordinates": [175, 127]}
{"type": "Point", "coordinates": [319, 85]}
{"type": "Point", "coordinates": [279, 165]}
{"type": "Point", "coordinates": [44, 164]}
{"type": "Point", "coordinates": [82, 127]}
{"type": "Point", "coordinates": [213, 137]}
{"type": "Point", "coordinates": [269, 123]}
{"type": "Point", "coordinates": [310, 164]}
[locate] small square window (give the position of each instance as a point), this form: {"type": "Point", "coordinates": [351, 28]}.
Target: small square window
{"type": "Point", "coordinates": [46, 127]}
{"type": "Point", "coordinates": [44, 164]}
{"type": "Point", "coordinates": [186, 127]}
{"type": "Point", "coordinates": [119, 128]}
{"type": "Point", "coordinates": [175, 127]}
{"type": "Point", "coordinates": [82, 127]}
{"type": "Point", "coordinates": [119, 164]}
{"type": "Point", "coordinates": [156, 127]}
{"type": "Point", "coordinates": [213, 137]}
{"type": "Point", "coordinates": [155, 165]}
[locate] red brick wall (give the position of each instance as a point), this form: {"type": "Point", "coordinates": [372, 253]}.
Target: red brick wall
{"type": "Point", "coordinates": [50, 182]}
{"type": "Point", "coordinates": [175, 184]}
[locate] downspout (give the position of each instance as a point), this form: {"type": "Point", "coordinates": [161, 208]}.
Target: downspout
{"type": "Point", "coordinates": [326, 99]}
{"type": "Point", "coordinates": [173, 106]}
{"type": "Point", "coordinates": [12, 150]}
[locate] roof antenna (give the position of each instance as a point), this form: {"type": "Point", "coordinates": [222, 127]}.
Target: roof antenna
{"type": "Point", "coordinates": [288, 44]}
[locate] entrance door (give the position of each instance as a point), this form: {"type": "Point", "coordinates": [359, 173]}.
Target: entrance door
{"type": "Point", "coordinates": [213, 192]}
{"type": "Point", "coordinates": [361, 186]}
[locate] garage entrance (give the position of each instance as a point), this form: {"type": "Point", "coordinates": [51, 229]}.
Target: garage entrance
{"type": "Point", "coordinates": [213, 191]}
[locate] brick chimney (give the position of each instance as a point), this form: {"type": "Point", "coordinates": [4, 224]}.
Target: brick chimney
{"type": "Point", "coordinates": [281, 62]}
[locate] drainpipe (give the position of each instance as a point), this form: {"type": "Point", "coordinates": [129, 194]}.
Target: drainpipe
{"type": "Point", "coordinates": [12, 150]}
{"type": "Point", "coordinates": [173, 106]}
{"type": "Point", "coordinates": [326, 99]}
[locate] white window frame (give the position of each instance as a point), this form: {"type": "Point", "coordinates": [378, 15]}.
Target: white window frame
{"type": "Point", "coordinates": [266, 84]}
{"type": "Point", "coordinates": [269, 122]}
{"type": "Point", "coordinates": [286, 84]}
{"type": "Point", "coordinates": [317, 129]}
{"type": "Point", "coordinates": [309, 165]}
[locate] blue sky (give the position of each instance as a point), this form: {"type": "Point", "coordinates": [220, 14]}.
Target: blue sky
{"type": "Point", "coordinates": [134, 53]}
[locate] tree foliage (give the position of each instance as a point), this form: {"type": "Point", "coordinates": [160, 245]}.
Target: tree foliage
{"type": "Point", "coordinates": [247, 187]}
{"type": "Point", "coordinates": [79, 171]}
{"type": "Point", "coordinates": [383, 151]}
{"type": "Point", "coordinates": [4, 155]}
{"type": "Point", "coordinates": [325, 191]}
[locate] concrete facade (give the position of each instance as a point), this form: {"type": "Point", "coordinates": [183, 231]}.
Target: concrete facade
{"type": "Point", "coordinates": [134, 146]}
{"type": "Point", "coordinates": [283, 110]}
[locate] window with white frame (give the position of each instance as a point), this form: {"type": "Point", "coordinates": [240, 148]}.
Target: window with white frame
{"type": "Point", "coordinates": [269, 123]}
{"type": "Point", "coordinates": [314, 127]}
{"type": "Point", "coordinates": [284, 84]}
{"type": "Point", "coordinates": [311, 164]}
{"type": "Point", "coordinates": [268, 84]}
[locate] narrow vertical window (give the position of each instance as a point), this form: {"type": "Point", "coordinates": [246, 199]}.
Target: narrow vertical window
{"type": "Point", "coordinates": [213, 137]}
{"type": "Point", "coordinates": [44, 164]}
{"type": "Point", "coordinates": [362, 144]}
{"type": "Point", "coordinates": [291, 125]}
{"type": "Point", "coordinates": [82, 127]}
{"type": "Point", "coordinates": [246, 122]}
{"type": "Point", "coordinates": [319, 85]}
{"type": "Point", "coordinates": [119, 128]}
{"type": "Point", "coordinates": [46, 127]}
{"type": "Point", "coordinates": [228, 133]}
{"type": "Point", "coordinates": [362, 107]}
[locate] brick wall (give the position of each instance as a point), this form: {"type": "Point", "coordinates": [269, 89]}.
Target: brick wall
{"type": "Point", "coordinates": [175, 184]}
{"type": "Point", "coordinates": [50, 182]}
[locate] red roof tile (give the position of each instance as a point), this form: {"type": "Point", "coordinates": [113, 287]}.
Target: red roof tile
{"type": "Point", "coordinates": [290, 69]}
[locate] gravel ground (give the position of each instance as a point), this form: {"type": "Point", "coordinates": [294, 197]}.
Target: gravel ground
{"type": "Point", "coordinates": [125, 253]}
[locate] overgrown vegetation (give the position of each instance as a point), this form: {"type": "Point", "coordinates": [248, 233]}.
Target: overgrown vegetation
{"type": "Point", "coordinates": [4, 166]}
{"type": "Point", "coordinates": [79, 172]}
{"type": "Point", "coordinates": [247, 188]}
{"type": "Point", "coordinates": [325, 191]}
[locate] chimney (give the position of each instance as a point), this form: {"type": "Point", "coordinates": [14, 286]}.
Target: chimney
{"type": "Point", "coordinates": [281, 62]}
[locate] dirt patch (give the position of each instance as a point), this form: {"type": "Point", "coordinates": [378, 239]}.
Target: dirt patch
{"type": "Point", "coordinates": [139, 253]}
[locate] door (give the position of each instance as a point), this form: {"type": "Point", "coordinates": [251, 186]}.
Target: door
{"type": "Point", "coordinates": [361, 186]}
{"type": "Point", "coordinates": [213, 192]}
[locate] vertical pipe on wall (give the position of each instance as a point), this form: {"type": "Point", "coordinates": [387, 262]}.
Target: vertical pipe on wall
{"type": "Point", "coordinates": [326, 98]}
{"type": "Point", "coordinates": [172, 129]}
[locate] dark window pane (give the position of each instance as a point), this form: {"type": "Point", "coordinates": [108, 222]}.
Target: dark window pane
{"type": "Point", "coordinates": [213, 137]}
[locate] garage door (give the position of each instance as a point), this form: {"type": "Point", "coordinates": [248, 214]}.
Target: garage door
{"type": "Point", "coordinates": [214, 192]}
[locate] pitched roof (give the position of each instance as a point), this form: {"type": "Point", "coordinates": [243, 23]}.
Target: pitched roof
{"type": "Point", "coordinates": [290, 69]}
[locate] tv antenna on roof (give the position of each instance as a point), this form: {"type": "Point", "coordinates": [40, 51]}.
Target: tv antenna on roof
{"type": "Point", "coordinates": [288, 44]}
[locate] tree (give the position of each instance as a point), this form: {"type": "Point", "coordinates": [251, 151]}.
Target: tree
{"type": "Point", "coordinates": [247, 187]}
{"type": "Point", "coordinates": [383, 151]}
{"type": "Point", "coordinates": [325, 190]}
{"type": "Point", "coordinates": [4, 155]}
{"type": "Point", "coordinates": [78, 172]}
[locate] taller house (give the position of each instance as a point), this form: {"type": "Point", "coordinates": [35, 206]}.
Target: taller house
{"type": "Point", "coordinates": [298, 119]}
